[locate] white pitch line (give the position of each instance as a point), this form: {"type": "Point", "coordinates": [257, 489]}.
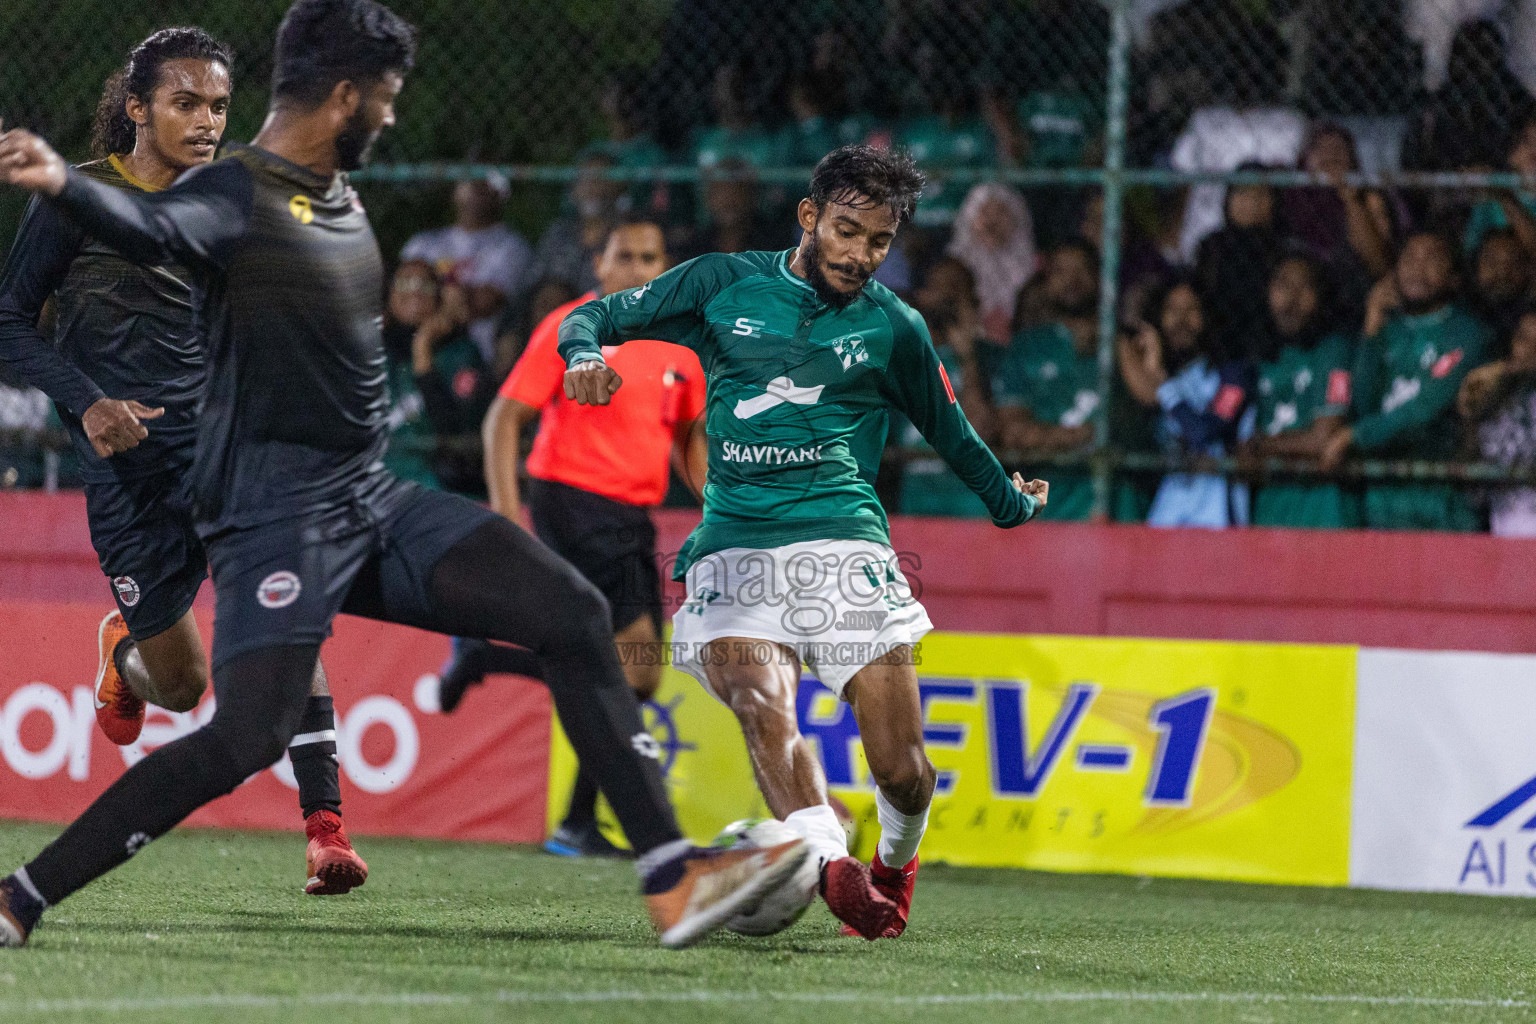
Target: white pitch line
{"type": "Point", "coordinates": [262, 1002]}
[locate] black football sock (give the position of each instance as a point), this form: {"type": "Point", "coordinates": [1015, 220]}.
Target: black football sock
{"type": "Point", "coordinates": [513, 661]}
{"type": "Point", "coordinates": [261, 699]}
{"type": "Point", "coordinates": [501, 584]}
{"type": "Point", "coordinates": [313, 753]}
{"type": "Point", "coordinates": [583, 809]}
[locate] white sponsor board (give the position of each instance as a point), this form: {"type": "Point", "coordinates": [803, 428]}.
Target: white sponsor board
{"type": "Point", "coordinates": [1445, 773]}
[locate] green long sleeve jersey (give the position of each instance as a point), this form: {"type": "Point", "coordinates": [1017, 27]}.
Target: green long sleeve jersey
{"type": "Point", "coordinates": [799, 394]}
{"type": "Point", "coordinates": [1406, 380]}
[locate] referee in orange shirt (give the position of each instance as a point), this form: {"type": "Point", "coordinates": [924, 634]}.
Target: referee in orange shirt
{"type": "Point", "coordinates": [594, 473]}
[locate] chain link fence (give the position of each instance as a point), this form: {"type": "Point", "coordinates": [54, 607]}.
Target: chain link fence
{"type": "Point", "coordinates": [1207, 140]}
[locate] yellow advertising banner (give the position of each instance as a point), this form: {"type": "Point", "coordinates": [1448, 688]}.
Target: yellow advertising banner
{"type": "Point", "coordinates": [1175, 758]}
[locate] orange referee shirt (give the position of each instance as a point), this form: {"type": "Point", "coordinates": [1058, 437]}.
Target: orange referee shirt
{"type": "Point", "coordinates": [621, 450]}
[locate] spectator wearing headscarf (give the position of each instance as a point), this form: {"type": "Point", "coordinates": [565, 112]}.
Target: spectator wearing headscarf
{"type": "Point", "coordinates": [995, 239]}
{"type": "Point", "coordinates": [1350, 229]}
{"type": "Point", "coordinates": [1234, 264]}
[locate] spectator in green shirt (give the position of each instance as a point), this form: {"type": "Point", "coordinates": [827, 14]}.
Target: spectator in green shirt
{"type": "Point", "coordinates": [819, 121]}
{"type": "Point", "coordinates": [1419, 345]}
{"type": "Point", "coordinates": [951, 135]}
{"type": "Point", "coordinates": [734, 220]}
{"type": "Point", "coordinates": [1303, 398]}
{"type": "Point", "coordinates": [736, 133]}
{"type": "Point", "coordinates": [629, 145]}
{"type": "Point", "coordinates": [947, 301]}
{"type": "Point", "coordinates": [1504, 208]}
{"type": "Point", "coordinates": [1057, 127]}
{"type": "Point", "coordinates": [1047, 390]}
{"type": "Point", "coordinates": [439, 385]}
{"type": "Point", "coordinates": [1501, 283]}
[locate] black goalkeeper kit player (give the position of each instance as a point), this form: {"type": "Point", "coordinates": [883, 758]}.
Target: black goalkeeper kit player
{"type": "Point", "coordinates": [301, 520]}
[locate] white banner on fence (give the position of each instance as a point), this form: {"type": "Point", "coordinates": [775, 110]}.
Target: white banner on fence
{"type": "Point", "coordinates": [1445, 773]}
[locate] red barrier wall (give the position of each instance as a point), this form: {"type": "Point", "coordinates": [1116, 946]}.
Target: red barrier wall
{"type": "Point", "coordinates": [1416, 590]}
{"type": "Point", "coordinates": [482, 775]}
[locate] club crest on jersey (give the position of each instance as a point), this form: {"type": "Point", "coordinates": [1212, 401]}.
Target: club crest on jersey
{"type": "Point", "coordinates": [302, 209]}
{"type": "Point", "coordinates": [635, 296]}
{"type": "Point", "coordinates": [127, 590]}
{"type": "Point", "coordinates": [851, 350]}
{"type": "Point", "coordinates": [278, 590]}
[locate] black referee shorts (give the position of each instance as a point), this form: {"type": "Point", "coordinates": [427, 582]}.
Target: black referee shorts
{"type": "Point", "coordinates": [610, 543]}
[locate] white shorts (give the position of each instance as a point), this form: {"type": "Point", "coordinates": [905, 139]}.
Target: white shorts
{"type": "Point", "coordinates": [838, 604]}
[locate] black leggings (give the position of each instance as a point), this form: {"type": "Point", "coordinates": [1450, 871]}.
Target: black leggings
{"type": "Point", "coordinates": [498, 583]}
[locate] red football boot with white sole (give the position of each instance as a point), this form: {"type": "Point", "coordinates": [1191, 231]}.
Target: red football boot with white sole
{"type": "Point", "coordinates": [334, 867]}
{"type": "Point", "coordinates": [853, 898]}
{"type": "Point", "coordinates": [119, 713]}
{"type": "Point", "coordinates": [897, 887]}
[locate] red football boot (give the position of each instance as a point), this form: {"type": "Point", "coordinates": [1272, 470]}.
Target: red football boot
{"type": "Point", "coordinates": [119, 713]}
{"type": "Point", "coordinates": [854, 899]}
{"type": "Point", "coordinates": [897, 887]}
{"type": "Point", "coordinates": [334, 867]}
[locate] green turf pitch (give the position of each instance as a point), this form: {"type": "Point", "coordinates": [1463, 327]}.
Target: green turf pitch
{"type": "Point", "coordinates": [211, 926]}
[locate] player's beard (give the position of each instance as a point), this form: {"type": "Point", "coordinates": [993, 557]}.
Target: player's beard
{"type": "Point", "coordinates": [1418, 307]}
{"type": "Point", "coordinates": [355, 142]}
{"type": "Point", "coordinates": [1077, 310]}
{"type": "Point", "coordinates": [824, 288]}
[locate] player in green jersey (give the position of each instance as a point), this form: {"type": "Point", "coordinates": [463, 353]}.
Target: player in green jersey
{"type": "Point", "coordinates": [804, 357]}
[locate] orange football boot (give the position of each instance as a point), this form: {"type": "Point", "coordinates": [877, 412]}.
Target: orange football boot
{"type": "Point", "coordinates": [119, 713]}
{"type": "Point", "coordinates": [716, 885]}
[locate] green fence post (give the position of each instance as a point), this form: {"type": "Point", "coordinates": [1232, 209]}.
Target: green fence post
{"type": "Point", "coordinates": [1109, 267]}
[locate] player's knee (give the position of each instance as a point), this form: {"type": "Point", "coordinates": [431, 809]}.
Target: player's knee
{"type": "Point", "coordinates": [758, 703]}
{"type": "Point", "coordinates": [183, 689]}
{"type": "Point", "coordinates": [906, 780]}
{"type": "Point", "coordinates": [579, 618]}
{"type": "Point", "coordinates": [644, 678]}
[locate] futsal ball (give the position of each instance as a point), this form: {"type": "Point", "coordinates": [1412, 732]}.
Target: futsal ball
{"type": "Point", "coordinates": [782, 906]}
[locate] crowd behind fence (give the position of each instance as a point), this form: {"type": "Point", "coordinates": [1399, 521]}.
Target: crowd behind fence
{"type": "Point", "coordinates": [1199, 261]}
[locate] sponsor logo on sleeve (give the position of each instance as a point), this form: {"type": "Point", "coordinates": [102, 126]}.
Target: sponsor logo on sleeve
{"type": "Point", "coordinates": [1445, 364]}
{"type": "Point", "coordinates": [1338, 387]}
{"type": "Point", "coordinates": [1228, 401]}
{"type": "Point", "coordinates": [949, 388]}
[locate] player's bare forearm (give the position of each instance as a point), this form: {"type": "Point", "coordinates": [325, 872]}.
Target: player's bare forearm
{"type": "Point", "coordinates": [690, 456]}
{"type": "Point", "coordinates": [1306, 443]}
{"type": "Point", "coordinates": [502, 435]}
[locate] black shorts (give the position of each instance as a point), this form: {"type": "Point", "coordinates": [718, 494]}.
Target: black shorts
{"type": "Point", "coordinates": [283, 582]}
{"type": "Point", "coordinates": [143, 534]}
{"type": "Point", "coordinates": [610, 543]}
